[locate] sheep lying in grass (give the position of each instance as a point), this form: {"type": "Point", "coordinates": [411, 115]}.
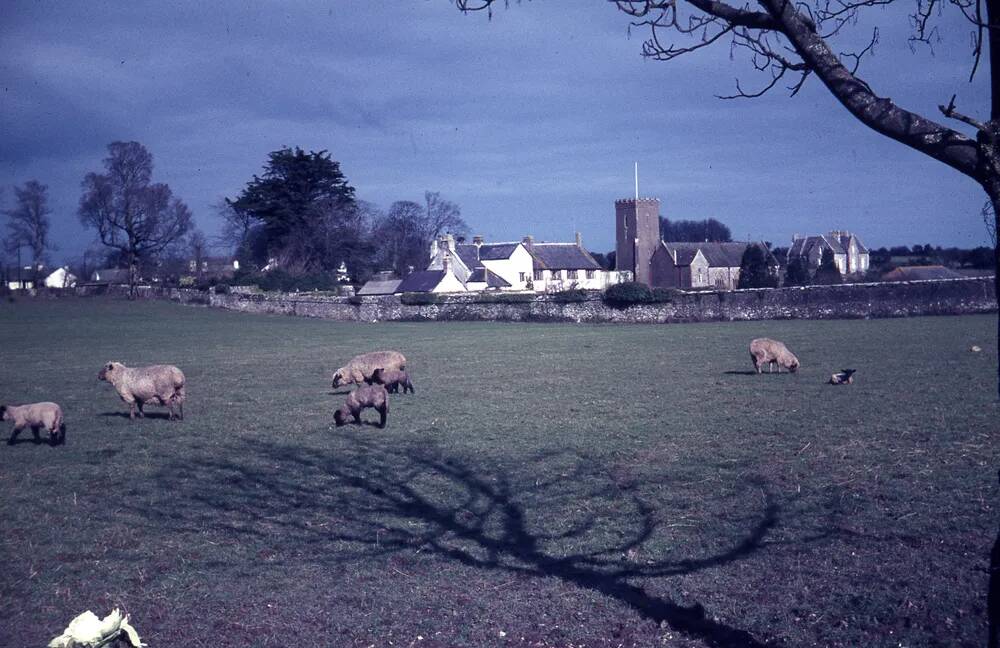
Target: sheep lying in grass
{"type": "Point", "coordinates": [138, 386]}
{"type": "Point", "coordinates": [360, 369]}
{"type": "Point", "coordinates": [843, 377]}
{"type": "Point", "coordinates": [392, 380]}
{"type": "Point", "coordinates": [373, 396]}
{"type": "Point", "coordinates": [36, 416]}
{"type": "Point", "coordinates": [771, 352]}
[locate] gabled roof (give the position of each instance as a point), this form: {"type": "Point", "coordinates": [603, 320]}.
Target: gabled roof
{"type": "Point", "coordinates": [496, 251]}
{"type": "Point", "coordinates": [421, 281]}
{"type": "Point", "coordinates": [921, 273]}
{"type": "Point", "coordinates": [492, 279]}
{"type": "Point", "coordinates": [562, 256]}
{"type": "Point", "coordinates": [380, 287]}
{"type": "Point", "coordinates": [718, 255]}
{"type": "Point", "coordinates": [469, 256]}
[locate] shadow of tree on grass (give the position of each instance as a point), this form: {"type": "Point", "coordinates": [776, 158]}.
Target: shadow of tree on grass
{"type": "Point", "coordinates": [553, 516]}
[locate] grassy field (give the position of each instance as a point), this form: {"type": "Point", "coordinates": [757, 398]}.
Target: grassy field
{"type": "Point", "coordinates": [547, 485]}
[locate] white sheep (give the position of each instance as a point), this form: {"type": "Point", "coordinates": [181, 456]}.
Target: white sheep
{"type": "Point", "coordinates": [36, 416]}
{"type": "Point", "coordinates": [771, 352]}
{"type": "Point", "coordinates": [138, 386]}
{"type": "Point", "coordinates": [361, 367]}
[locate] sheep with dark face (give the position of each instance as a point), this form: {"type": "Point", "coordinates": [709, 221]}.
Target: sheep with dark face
{"type": "Point", "coordinates": [771, 352]}
{"type": "Point", "coordinates": [843, 377]}
{"type": "Point", "coordinates": [138, 386]}
{"type": "Point", "coordinates": [361, 367]}
{"type": "Point", "coordinates": [373, 396]}
{"type": "Point", "coordinates": [392, 380]}
{"type": "Point", "coordinates": [37, 416]}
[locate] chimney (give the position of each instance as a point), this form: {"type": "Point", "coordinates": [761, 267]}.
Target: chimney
{"type": "Point", "coordinates": [477, 240]}
{"type": "Point", "coordinates": [450, 240]}
{"type": "Point", "coordinates": [446, 263]}
{"type": "Point", "coordinates": [579, 240]}
{"type": "Point", "coordinates": [529, 242]}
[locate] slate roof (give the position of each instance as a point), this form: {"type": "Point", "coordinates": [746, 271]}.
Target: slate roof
{"type": "Point", "coordinates": [421, 281]}
{"type": "Point", "coordinates": [496, 251]}
{"type": "Point", "coordinates": [921, 273]}
{"type": "Point", "coordinates": [718, 255]}
{"type": "Point", "coordinates": [380, 287]}
{"type": "Point", "coordinates": [468, 255]}
{"type": "Point", "coordinates": [562, 256]}
{"type": "Point", "coordinates": [492, 279]}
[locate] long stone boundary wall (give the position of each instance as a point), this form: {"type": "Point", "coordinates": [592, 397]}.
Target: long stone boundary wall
{"type": "Point", "coordinates": [848, 301]}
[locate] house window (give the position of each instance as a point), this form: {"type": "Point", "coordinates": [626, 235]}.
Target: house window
{"type": "Point", "coordinates": [521, 275]}
{"type": "Point", "coordinates": [590, 274]}
{"type": "Point", "coordinates": [538, 275]}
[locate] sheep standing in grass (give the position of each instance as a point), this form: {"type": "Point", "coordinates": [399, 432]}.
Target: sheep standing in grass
{"type": "Point", "coordinates": [360, 369]}
{"type": "Point", "coordinates": [771, 352]}
{"type": "Point", "coordinates": [392, 380]}
{"type": "Point", "coordinates": [36, 416]}
{"type": "Point", "coordinates": [373, 396]}
{"type": "Point", "coordinates": [138, 386]}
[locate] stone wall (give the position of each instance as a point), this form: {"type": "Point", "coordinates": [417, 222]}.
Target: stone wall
{"type": "Point", "coordinates": [849, 301]}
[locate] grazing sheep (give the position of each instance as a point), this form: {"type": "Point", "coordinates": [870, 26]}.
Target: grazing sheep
{"type": "Point", "coordinates": [138, 386]}
{"type": "Point", "coordinates": [392, 379]}
{"type": "Point", "coordinates": [373, 396]}
{"type": "Point", "coordinates": [844, 377]}
{"type": "Point", "coordinates": [36, 416]}
{"type": "Point", "coordinates": [360, 369]}
{"type": "Point", "coordinates": [771, 352]}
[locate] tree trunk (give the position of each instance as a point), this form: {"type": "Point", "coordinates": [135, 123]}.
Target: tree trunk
{"type": "Point", "coordinates": [132, 272]}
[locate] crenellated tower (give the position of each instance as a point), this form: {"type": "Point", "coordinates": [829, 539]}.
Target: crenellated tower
{"type": "Point", "coordinates": [637, 230]}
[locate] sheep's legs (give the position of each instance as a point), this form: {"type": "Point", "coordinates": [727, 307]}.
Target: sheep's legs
{"type": "Point", "coordinates": [382, 415]}
{"type": "Point", "coordinates": [13, 435]}
{"type": "Point", "coordinates": [34, 431]}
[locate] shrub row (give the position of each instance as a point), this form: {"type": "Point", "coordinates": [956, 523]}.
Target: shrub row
{"type": "Point", "coordinates": [632, 293]}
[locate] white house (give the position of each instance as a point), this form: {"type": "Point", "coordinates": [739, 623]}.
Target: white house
{"type": "Point", "coordinates": [564, 266]}
{"type": "Point", "coordinates": [61, 278]}
{"type": "Point", "coordinates": [482, 266]}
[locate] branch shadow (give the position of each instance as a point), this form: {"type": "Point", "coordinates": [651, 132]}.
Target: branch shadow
{"type": "Point", "coordinates": [149, 415]}
{"type": "Point", "coordinates": [740, 373]}
{"type": "Point", "coordinates": [381, 502]}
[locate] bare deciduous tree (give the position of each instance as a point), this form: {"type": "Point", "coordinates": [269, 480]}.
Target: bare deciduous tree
{"type": "Point", "coordinates": [28, 223]}
{"type": "Point", "coordinates": [793, 41]}
{"type": "Point", "coordinates": [443, 216]}
{"type": "Point", "coordinates": [131, 215]}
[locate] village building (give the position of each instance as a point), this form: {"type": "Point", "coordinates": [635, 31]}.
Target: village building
{"type": "Point", "coordinates": [383, 283]}
{"type": "Point", "coordinates": [849, 253]}
{"type": "Point", "coordinates": [566, 266]}
{"type": "Point", "coordinates": [922, 273]}
{"type": "Point", "coordinates": [702, 265]}
{"type": "Point", "coordinates": [112, 276]}
{"type": "Point", "coordinates": [213, 267]}
{"type": "Point", "coordinates": [431, 281]}
{"type": "Point", "coordinates": [640, 252]}
{"type": "Point", "coordinates": [500, 266]}
{"type": "Point", "coordinates": [60, 278]}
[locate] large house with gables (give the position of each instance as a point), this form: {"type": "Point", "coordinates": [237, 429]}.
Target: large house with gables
{"type": "Point", "coordinates": [849, 253]}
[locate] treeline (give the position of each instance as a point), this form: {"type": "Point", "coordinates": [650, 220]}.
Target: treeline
{"type": "Point", "coordinates": [299, 219]}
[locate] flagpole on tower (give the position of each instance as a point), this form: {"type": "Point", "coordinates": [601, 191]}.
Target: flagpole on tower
{"type": "Point", "coordinates": [637, 181]}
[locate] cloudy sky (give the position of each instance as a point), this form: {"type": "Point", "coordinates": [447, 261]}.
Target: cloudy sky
{"type": "Point", "coordinates": [530, 121]}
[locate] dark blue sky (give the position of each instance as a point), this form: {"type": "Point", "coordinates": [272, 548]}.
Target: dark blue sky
{"type": "Point", "coordinates": [530, 122]}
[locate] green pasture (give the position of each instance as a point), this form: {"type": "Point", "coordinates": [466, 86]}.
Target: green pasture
{"type": "Point", "coordinates": [547, 485]}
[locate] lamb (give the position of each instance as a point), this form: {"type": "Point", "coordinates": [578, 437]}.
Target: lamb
{"type": "Point", "coordinates": [138, 386]}
{"type": "Point", "coordinates": [843, 377]}
{"type": "Point", "coordinates": [360, 369]}
{"type": "Point", "coordinates": [770, 352]}
{"type": "Point", "coordinates": [392, 379]}
{"type": "Point", "coordinates": [36, 416]}
{"type": "Point", "coordinates": [373, 396]}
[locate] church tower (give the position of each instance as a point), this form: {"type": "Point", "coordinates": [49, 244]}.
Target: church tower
{"type": "Point", "coordinates": [637, 230]}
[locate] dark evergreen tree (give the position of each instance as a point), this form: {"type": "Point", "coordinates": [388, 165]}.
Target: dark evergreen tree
{"type": "Point", "coordinates": [694, 231]}
{"type": "Point", "coordinates": [828, 272]}
{"type": "Point", "coordinates": [797, 272]}
{"type": "Point", "coordinates": [755, 271]}
{"type": "Point", "coordinates": [304, 205]}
